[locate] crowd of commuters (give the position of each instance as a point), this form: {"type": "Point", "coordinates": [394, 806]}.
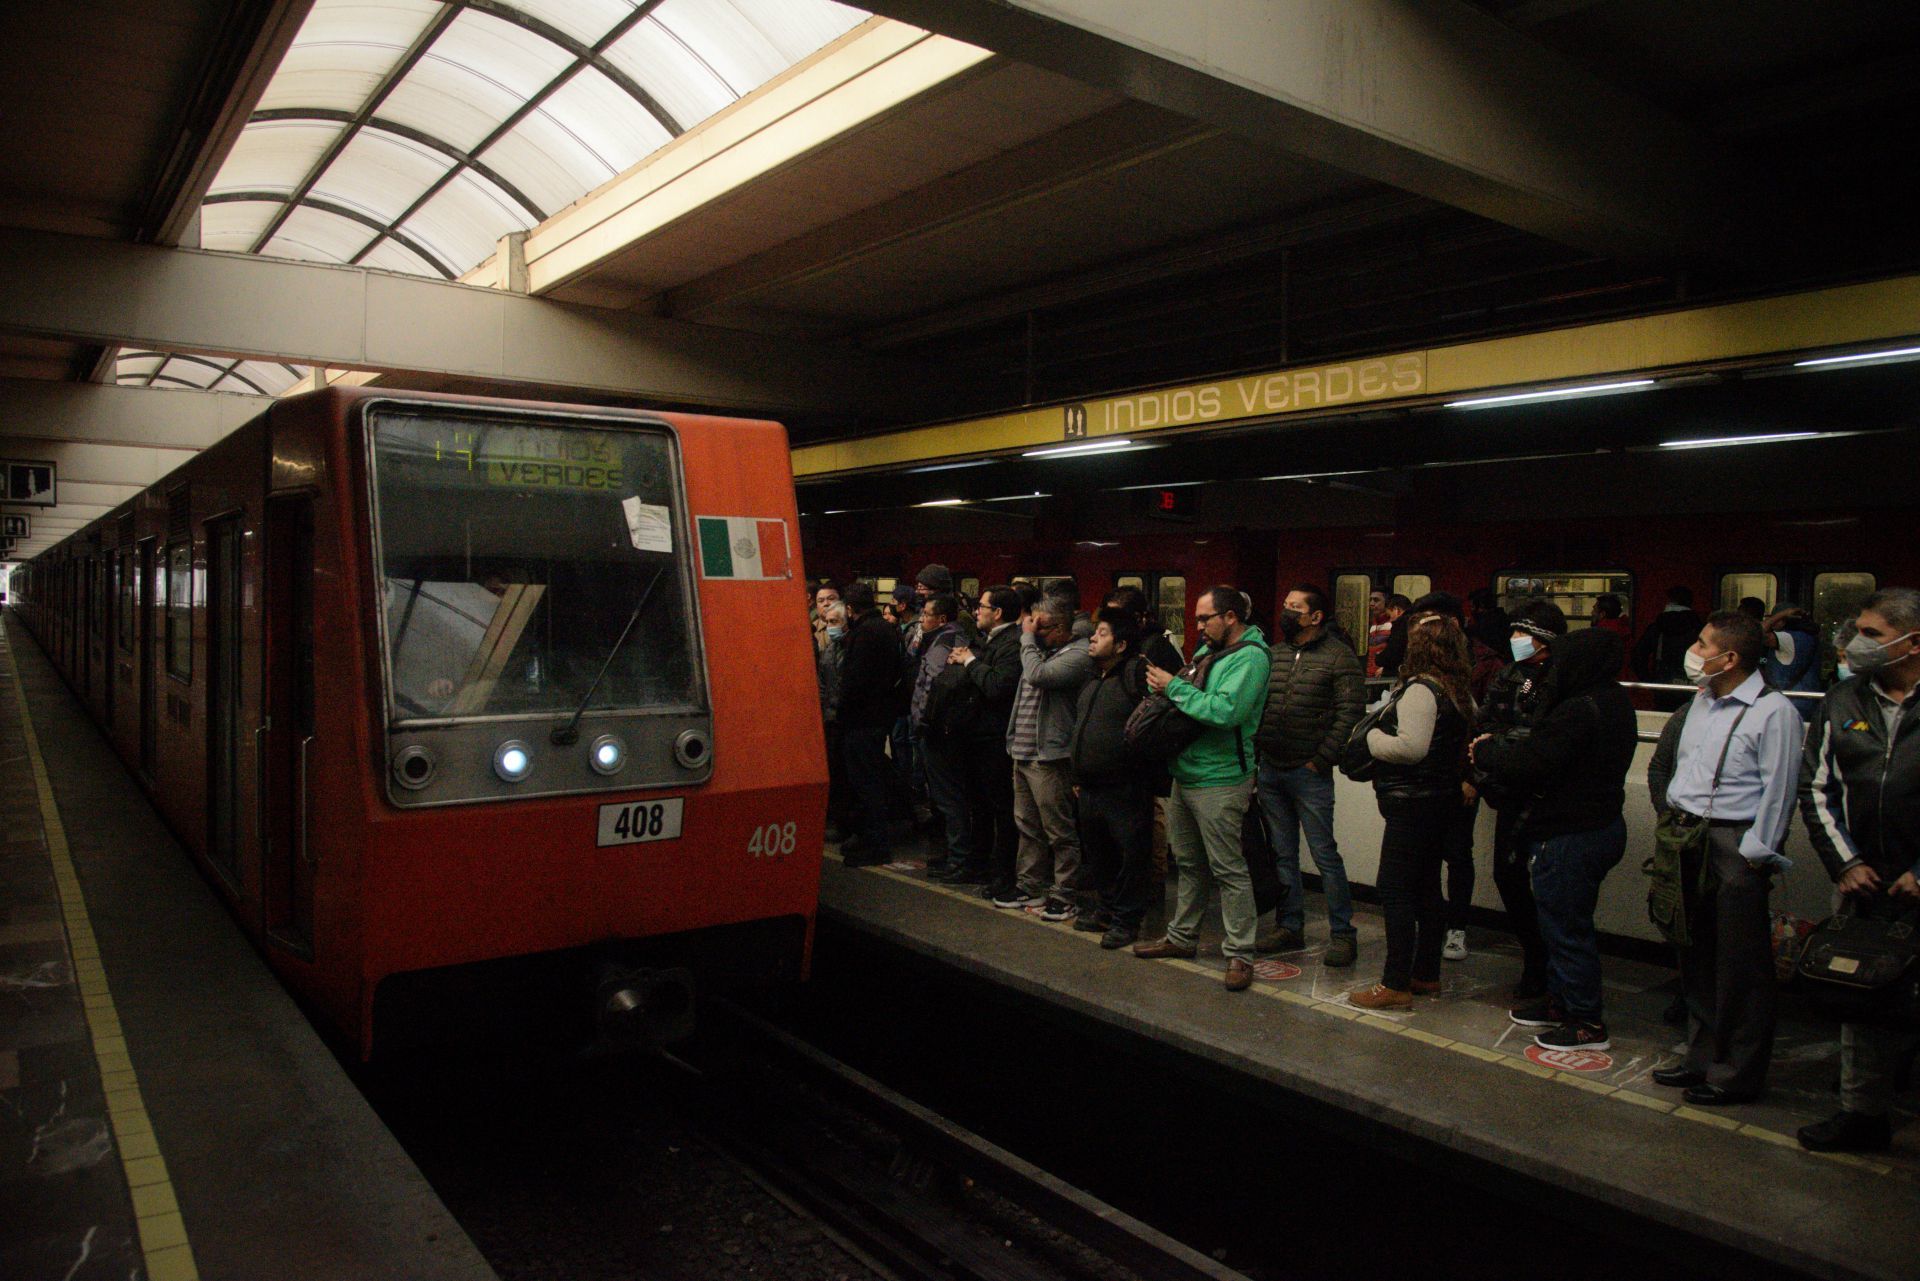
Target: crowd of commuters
{"type": "Point", "coordinates": [1050, 747]}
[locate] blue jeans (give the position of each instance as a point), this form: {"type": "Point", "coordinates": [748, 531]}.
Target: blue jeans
{"type": "Point", "coordinates": [1293, 799]}
{"type": "Point", "coordinates": [1567, 871]}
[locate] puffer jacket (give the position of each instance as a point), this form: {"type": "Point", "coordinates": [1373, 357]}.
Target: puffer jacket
{"type": "Point", "coordinates": [1571, 770]}
{"type": "Point", "coordinates": [1229, 707]}
{"type": "Point", "coordinates": [1099, 752]}
{"type": "Point", "coordinates": [1860, 791]}
{"type": "Point", "coordinates": [1316, 694]}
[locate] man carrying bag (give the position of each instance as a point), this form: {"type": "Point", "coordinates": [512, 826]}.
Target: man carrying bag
{"type": "Point", "coordinates": [1860, 797]}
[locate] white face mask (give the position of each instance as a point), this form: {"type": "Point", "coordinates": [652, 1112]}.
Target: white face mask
{"type": "Point", "coordinates": [1864, 654]}
{"type": "Point", "coordinates": [1696, 667]}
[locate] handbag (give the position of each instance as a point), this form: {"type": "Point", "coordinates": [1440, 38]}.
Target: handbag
{"type": "Point", "coordinates": [1356, 761]}
{"type": "Point", "coordinates": [1679, 842]}
{"type": "Point", "coordinates": [1157, 730]}
{"type": "Point", "coordinates": [1864, 969]}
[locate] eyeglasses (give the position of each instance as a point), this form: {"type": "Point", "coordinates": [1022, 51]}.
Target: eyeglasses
{"type": "Point", "coordinates": [1204, 619]}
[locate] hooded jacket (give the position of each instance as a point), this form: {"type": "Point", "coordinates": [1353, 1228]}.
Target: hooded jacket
{"type": "Point", "coordinates": [1229, 707]}
{"type": "Point", "coordinates": [1860, 791]}
{"type": "Point", "coordinates": [1574, 764]}
{"type": "Point", "coordinates": [1316, 694]}
{"type": "Point", "coordinates": [1099, 751]}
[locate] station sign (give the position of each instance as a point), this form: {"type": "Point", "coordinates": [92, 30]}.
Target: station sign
{"type": "Point", "coordinates": [30, 484]}
{"type": "Point", "coordinates": [15, 526]}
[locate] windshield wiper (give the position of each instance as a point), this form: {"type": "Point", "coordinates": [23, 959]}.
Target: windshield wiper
{"type": "Point", "coordinates": [569, 734]}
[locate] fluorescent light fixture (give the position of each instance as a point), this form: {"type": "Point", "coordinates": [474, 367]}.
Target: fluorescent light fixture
{"type": "Point", "coordinates": [1716, 442]}
{"type": "Point", "coordinates": [1172, 484]}
{"type": "Point", "coordinates": [1556, 393]}
{"type": "Point", "coordinates": [941, 502]}
{"type": "Point", "coordinates": [1317, 475]}
{"type": "Point", "coordinates": [1859, 358]}
{"type": "Point", "coordinates": [1084, 447]}
{"type": "Point", "coordinates": [974, 462]}
{"type": "Point", "coordinates": [1016, 498]}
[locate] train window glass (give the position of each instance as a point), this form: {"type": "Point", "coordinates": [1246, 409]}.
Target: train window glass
{"type": "Point", "coordinates": [1735, 588]}
{"type": "Point", "coordinates": [970, 588]}
{"type": "Point", "coordinates": [1350, 595]}
{"type": "Point", "coordinates": [1412, 586]}
{"type": "Point", "coordinates": [128, 601]}
{"type": "Point", "coordinates": [1170, 599]}
{"type": "Point", "coordinates": [1836, 599]}
{"type": "Point", "coordinates": [884, 586]}
{"type": "Point", "coordinates": [518, 558]}
{"type": "Point", "coordinates": [1574, 593]}
{"type": "Point", "coordinates": [180, 610]}
{"type": "Point", "coordinates": [1129, 580]}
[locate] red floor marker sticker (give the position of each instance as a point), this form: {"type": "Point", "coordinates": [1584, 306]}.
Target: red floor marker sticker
{"type": "Point", "coordinates": [1570, 1060]}
{"type": "Point", "coordinates": [1277, 971]}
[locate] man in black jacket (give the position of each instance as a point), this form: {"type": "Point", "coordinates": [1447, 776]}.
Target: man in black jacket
{"type": "Point", "coordinates": [992, 667]}
{"type": "Point", "coordinates": [1574, 767]}
{"type": "Point", "coordinates": [1860, 797]}
{"type": "Point", "coordinates": [1316, 694]}
{"type": "Point", "coordinates": [870, 672]}
{"type": "Point", "coordinates": [1661, 654]}
{"type": "Point", "coordinates": [1154, 643]}
{"type": "Point", "coordinates": [1112, 789]}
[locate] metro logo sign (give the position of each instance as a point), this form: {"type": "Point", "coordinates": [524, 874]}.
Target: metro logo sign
{"type": "Point", "coordinates": [1570, 1060]}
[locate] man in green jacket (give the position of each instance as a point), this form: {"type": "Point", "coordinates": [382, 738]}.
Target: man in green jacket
{"type": "Point", "coordinates": [1213, 781]}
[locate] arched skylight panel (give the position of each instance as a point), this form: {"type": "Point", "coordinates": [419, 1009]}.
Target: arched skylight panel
{"type": "Point", "coordinates": [688, 88]}
{"type": "Point", "coordinates": [479, 72]}
{"type": "Point", "coordinates": [137, 366]}
{"type": "Point", "coordinates": [796, 28]}
{"type": "Point", "coordinates": [381, 174]}
{"type": "Point", "coordinates": [193, 371]}
{"type": "Point", "coordinates": [462, 225]}
{"type": "Point", "coordinates": [343, 50]}
{"type": "Point", "coordinates": [742, 40]}
{"type": "Point", "coordinates": [270, 377]}
{"type": "Point", "coordinates": [591, 128]}
{"type": "Point", "coordinates": [584, 20]}
{"type": "Point", "coordinates": [391, 255]}
{"type": "Point", "coordinates": [233, 225]}
{"type": "Point", "coordinates": [273, 155]}
{"type": "Point", "coordinates": [318, 236]}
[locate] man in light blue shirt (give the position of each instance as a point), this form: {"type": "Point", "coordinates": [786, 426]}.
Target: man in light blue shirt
{"type": "Point", "coordinates": [1736, 768]}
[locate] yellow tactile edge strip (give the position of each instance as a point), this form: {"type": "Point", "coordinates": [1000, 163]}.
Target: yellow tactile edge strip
{"type": "Point", "coordinates": [1466, 1049]}
{"type": "Point", "coordinates": [163, 1233]}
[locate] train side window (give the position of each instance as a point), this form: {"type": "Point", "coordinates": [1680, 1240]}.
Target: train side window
{"type": "Point", "coordinates": [1138, 581]}
{"type": "Point", "coordinates": [1170, 599]}
{"type": "Point", "coordinates": [1574, 593]}
{"type": "Point", "coordinates": [1351, 592]}
{"type": "Point", "coordinates": [129, 601]}
{"type": "Point", "coordinates": [1412, 586]}
{"type": "Point", "coordinates": [1837, 598]}
{"type": "Point", "coordinates": [884, 586]}
{"type": "Point", "coordinates": [970, 588]}
{"type": "Point", "coordinates": [180, 611]}
{"type": "Point", "coordinates": [1736, 587]}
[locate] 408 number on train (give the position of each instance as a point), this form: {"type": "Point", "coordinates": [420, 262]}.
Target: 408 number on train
{"type": "Point", "coordinates": [634, 822]}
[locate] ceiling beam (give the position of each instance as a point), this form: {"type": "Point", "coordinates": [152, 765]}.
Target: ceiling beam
{"type": "Point", "coordinates": [346, 317]}
{"type": "Point", "coordinates": [99, 414]}
{"type": "Point", "coordinates": [1433, 97]}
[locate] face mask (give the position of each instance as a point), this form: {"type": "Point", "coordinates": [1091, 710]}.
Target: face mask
{"type": "Point", "coordinates": [1844, 672]}
{"type": "Point", "coordinates": [1291, 623]}
{"type": "Point", "coordinates": [1523, 648]}
{"type": "Point", "coordinates": [835, 633]}
{"type": "Point", "coordinates": [1867, 655]}
{"type": "Point", "coordinates": [1696, 667]}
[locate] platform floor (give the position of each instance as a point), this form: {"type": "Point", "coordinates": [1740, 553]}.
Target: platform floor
{"type": "Point", "coordinates": [166, 1111]}
{"type": "Point", "coordinates": [1458, 1072]}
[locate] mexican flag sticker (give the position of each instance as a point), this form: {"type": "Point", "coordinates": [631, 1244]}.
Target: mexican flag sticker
{"type": "Point", "coordinates": [744, 547]}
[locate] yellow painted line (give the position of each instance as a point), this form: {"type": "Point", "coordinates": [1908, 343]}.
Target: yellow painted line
{"type": "Point", "coordinates": [168, 1255]}
{"type": "Point", "coordinates": [1518, 1063]}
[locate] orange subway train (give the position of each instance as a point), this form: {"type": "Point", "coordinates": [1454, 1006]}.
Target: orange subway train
{"type": "Point", "coordinates": [447, 694]}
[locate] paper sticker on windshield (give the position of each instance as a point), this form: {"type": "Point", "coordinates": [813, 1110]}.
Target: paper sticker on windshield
{"type": "Point", "coordinates": [749, 547]}
{"type": "Point", "coordinates": [650, 526]}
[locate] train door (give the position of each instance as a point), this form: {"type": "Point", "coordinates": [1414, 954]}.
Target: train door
{"type": "Point", "coordinates": [144, 597]}
{"type": "Point", "coordinates": [110, 631]}
{"type": "Point", "coordinates": [287, 875]}
{"type": "Point", "coordinates": [84, 650]}
{"type": "Point", "coordinates": [224, 696]}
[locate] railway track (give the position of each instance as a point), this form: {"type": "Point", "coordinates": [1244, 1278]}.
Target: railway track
{"type": "Point", "coordinates": [914, 1195]}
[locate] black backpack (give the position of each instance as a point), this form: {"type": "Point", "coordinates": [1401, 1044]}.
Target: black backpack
{"type": "Point", "coordinates": [1159, 731]}
{"type": "Point", "coordinates": [954, 705]}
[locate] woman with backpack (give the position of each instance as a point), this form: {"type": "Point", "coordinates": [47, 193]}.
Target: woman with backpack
{"type": "Point", "coordinates": [1417, 744]}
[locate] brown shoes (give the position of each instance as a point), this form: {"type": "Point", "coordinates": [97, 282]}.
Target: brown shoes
{"type": "Point", "coordinates": [1160, 949]}
{"type": "Point", "coordinates": [1378, 997]}
{"type": "Point", "coordinates": [1426, 987]}
{"type": "Point", "coordinates": [1239, 975]}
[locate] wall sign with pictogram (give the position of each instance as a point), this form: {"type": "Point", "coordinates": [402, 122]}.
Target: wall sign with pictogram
{"type": "Point", "coordinates": [31, 484]}
{"type": "Point", "coordinates": [15, 526]}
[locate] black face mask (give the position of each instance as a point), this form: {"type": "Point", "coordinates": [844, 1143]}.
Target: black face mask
{"type": "Point", "coordinates": [1291, 623]}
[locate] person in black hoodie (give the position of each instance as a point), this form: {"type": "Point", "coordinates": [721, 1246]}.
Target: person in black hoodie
{"type": "Point", "coordinates": [870, 668]}
{"type": "Point", "coordinates": [1572, 769]}
{"type": "Point", "coordinates": [1112, 787]}
{"type": "Point", "coordinates": [992, 668]}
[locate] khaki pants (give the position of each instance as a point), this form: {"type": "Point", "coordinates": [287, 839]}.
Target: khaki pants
{"type": "Point", "coordinates": [1043, 811]}
{"type": "Point", "coordinates": [1203, 835]}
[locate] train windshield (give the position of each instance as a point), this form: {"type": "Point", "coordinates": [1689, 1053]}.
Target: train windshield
{"type": "Point", "coordinates": [519, 556]}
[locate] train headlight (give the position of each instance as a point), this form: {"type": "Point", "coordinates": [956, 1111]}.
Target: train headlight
{"type": "Point", "coordinates": [512, 761]}
{"type": "Point", "coordinates": [608, 754]}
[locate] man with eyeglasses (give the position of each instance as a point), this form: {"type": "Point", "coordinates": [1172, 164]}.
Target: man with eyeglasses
{"type": "Point", "coordinates": [1054, 664]}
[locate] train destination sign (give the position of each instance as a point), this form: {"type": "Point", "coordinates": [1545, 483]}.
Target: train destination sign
{"type": "Point", "coordinates": [30, 484]}
{"type": "Point", "coordinates": [15, 526]}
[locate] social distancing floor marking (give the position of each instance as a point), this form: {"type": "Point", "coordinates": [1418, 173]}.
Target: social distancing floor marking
{"type": "Point", "coordinates": [1402, 1027]}
{"type": "Point", "coordinates": [167, 1253]}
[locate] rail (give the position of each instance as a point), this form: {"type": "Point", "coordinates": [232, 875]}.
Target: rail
{"type": "Point", "coordinates": [875, 1213]}
{"type": "Point", "coordinates": [1376, 683]}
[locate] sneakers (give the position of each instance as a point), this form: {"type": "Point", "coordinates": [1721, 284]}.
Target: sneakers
{"type": "Point", "coordinates": [1380, 997]}
{"type": "Point", "coordinates": [1456, 946]}
{"type": "Point", "coordinates": [1342, 951]}
{"type": "Point", "coordinates": [1279, 939]}
{"type": "Point", "coordinates": [961, 875]}
{"type": "Point", "coordinates": [1545, 1012]}
{"type": "Point", "coordinates": [1058, 910]}
{"type": "Point", "coordinates": [1576, 1034]}
{"type": "Point", "coordinates": [1092, 922]}
{"type": "Point", "coordinates": [1013, 898]}
{"type": "Point", "coordinates": [1848, 1132]}
{"type": "Point", "coordinates": [1118, 936]}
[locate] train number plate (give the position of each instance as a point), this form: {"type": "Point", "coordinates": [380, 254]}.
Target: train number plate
{"type": "Point", "coordinates": [633, 822]}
